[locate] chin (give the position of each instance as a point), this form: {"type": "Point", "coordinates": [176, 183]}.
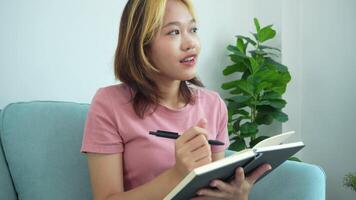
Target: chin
{"type": "Point", "coordinates": [188, 77]}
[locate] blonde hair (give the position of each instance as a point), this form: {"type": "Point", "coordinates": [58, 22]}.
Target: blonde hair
{"type": "Point", "coordinates": [140, 22]}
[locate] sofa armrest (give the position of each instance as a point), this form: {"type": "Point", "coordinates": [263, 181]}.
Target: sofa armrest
{"type": "Point", "coordinates": [7, 190]}
{"type": "Point", "coordinates": [291, 180]}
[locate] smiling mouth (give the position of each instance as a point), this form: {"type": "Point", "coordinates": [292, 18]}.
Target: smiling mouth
{"type": "Point", "coordinates": [189, 59]}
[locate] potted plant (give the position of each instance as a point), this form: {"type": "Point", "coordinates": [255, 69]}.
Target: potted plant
{"type": "Point", "coordinates": [256, 93]}
{"type": "Point", "coordinates": [350, 181]}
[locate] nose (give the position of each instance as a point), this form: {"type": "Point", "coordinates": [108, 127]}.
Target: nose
{"type": "Point", "coordinates": [190, 42]}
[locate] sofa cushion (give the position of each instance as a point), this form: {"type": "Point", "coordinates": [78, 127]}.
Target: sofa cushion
{"type": "Point", "coordinates": [7, 190]}
{"type": "Point", "coordinates": [292, 180]}
{"type": "Point", "coordinates": [42, 141]}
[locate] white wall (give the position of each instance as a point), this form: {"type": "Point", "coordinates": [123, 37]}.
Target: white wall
{"type": "Point", "coordinates": [63, 50]}
{"type": "Point", "coordinates": [319, 43]}
{"type": "Point", "coordinates": [56, 50]}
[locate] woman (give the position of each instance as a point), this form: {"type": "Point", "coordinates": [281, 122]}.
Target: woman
{"type": "Point", "coordinates": [155, 60]}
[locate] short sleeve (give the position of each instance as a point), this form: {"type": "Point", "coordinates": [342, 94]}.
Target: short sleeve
{"type": "Point", "coordinates": [101, 134]}
{"type": "Point", "coordinates": [222, 134]}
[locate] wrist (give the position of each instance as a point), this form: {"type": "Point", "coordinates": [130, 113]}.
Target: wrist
{"type": "Point", "coordinates": [177, 173]}
{"type": "Point", "coordinates": [245, 197]}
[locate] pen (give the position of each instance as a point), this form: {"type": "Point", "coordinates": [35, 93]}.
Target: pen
{"type": "Point", "coordinates": [174, 135]}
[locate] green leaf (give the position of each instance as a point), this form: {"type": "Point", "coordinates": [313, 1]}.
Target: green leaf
{"type": "Point", "coordinates": [240, 98]}
{"type": "Point", "coordinates": [247, 39]}
{"type": "Point", "coordinates": [235, 106]}
{"type": "Point", "coordinates": [275, 103]}
{"type": "Point", "coordinates": [276, 65]}
{"type": "Point", "coordinates": [239, 60]}
{"type": "Point", "coordinates": [266, 33]}
{"type": "Point", "coordinates": [280, 82]}
{"type": "Point", "coordinates": [245, 75]}
{"type": "Point", "coordinates": [263, 118]}
{"type": "Point", "coordinates": [254, 65]}
{"type": "Point", "coordinates": [229, 115]}
{"type": "Point", "coordinates": [285, 77]}
{"type": "Point", "coordinates": [265, 109]}
{"type": "Point", "coordinates": [294, 159]}
{"type": "Point", "coordinates": [254, 53]}
{"type": "Point", "coordinates": [229, 85]}
{"type": "Point", "coordinates": [248, 129]}
{"type": "Point", "coordinates": [267, 75]}
{"type": "Point", "coordinates": [268, 47]}
{"type": "Point", "coordinates": [243, 113]}
{"type": "Point", "coordinates": [280, 116]}
{"type": "Point", "coordinates": [238, 145]}
{"type": "Point", "coordinates": [236, 125]}
{"type": "Point", "coordinates": [271, 95]}
{"type": "Point", "coordinates": [236, 91]}
{"type": "Point", "coordinates": [241, 45]}
{"type": "Point", "coordinates": [281, 68]}
{"type": "Point", "coordinates": [279, 89]}
{"type": "Point", "coordinates": [261, 86]}
{"type": "Point", "coordinates": [234, 68]}
{"type": "Point", "coordinates": [272, 54]}
{"type": "Point", "coordinates": [236, 51]}
{"type": "Point", "coordinates": [257, 140]}
{"type": "Point", "coordinates": [245, 86]}
{"type": "Point", "coordinates": [257, 24]}
{"type": "Point", "coordinates": [230, 128]}
{"type": "Point", "coordinates": [240, 118]}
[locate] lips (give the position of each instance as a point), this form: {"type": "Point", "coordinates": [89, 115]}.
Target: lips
{"type": "Point", "coordinates": [188, 59]}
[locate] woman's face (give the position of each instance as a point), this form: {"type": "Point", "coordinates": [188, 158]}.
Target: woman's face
{"type": "Point", "coordinates": [175, 49]}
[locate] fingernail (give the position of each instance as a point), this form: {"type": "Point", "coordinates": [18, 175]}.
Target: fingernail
{"type": "Point", "coordinates": [200, 193]}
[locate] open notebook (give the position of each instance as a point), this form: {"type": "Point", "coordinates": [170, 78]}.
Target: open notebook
{"type": "Point", "coordinates": [271, 150]}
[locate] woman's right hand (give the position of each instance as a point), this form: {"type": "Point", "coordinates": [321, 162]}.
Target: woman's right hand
{"type": "Point", "coordinates": [192, 149]}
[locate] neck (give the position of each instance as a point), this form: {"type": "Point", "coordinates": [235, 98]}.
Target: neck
{"type": "Point", "coordinates": [170, 94]}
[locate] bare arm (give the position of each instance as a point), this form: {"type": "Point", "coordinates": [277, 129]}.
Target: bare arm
{"type": "Point", "coordinates": [218, 156]}
{"type": "Point", "coordinates": [106, 172]}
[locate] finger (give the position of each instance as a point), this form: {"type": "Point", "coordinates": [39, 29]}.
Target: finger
{"type": "Point", "coordinates": [195, 144]}
{"type": "Point", "coordinates": [203, 198]}
{"type": "Point", "coordinates": [198, 142]}
{"type": "Point", "coordinates": [258, 173]}
{"type": "Point", "coordinates": [222, 186]}
{"type": "Point", "coordinates": [202, 123]}
{"type": "Point", "coordinates": [239, 176]}
{"type": "Point", "coordinates": [201, 152]}
{"type": "Point", "coordinates": [192, 133]}
{"type": "Point", "coordinates": [203, 161]}
{"type": "Point", "coordinates": [212, 193]}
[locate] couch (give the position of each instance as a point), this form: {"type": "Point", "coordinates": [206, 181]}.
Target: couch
{"type": "Point", "coordinates": [40, 158]}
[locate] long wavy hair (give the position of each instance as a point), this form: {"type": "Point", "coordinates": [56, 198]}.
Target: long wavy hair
{"type": "Point", "coordinates": [140, 22]}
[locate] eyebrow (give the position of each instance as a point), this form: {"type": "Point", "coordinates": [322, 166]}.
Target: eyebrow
{"type": "Point", "coordinates": [177, 23]}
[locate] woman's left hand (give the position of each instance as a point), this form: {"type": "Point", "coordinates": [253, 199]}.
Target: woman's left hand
{"type": "Point", "coordinates": [237, 189]}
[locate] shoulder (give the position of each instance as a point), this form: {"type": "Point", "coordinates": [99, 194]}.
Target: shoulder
{"type": "Point", "coordinates": [210, 99]}
{"type": "Point", "coordinates": [204, 94]}
{"type": "Point", "coordinates": [108, 100]}
{"type": "Point", "coordinates": [118, 92]}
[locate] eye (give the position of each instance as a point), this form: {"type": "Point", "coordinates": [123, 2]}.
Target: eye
{"type": "Point", "coordinates": [195, 30]}
{"type": "Point", "coordinates": [174, 32]}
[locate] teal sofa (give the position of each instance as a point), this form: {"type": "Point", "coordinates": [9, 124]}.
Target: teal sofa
{"type": "Point", "coordinates": [40, 158]}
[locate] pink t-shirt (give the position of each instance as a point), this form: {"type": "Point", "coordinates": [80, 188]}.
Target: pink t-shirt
{"type": "Point", "coordinates": [112, 126]}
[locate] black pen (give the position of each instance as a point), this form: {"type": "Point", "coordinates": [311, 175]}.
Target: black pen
{"type": "Point", "coordinates": [174, 135]}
